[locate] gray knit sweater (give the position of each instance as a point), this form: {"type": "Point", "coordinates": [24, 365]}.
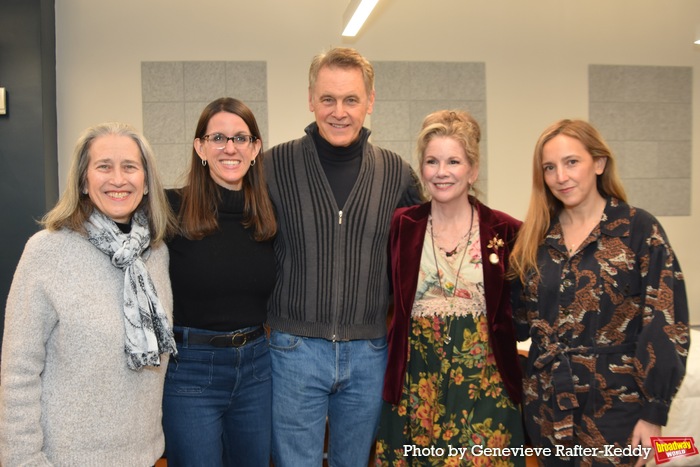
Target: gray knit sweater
{"type": "Point", "coordinates": [66, 395]}
{"type": "Point", "coordinates": [332, 265]}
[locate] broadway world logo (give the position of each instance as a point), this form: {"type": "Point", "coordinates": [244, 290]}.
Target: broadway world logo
{"type": "Point", "coordinates": [667, 448]}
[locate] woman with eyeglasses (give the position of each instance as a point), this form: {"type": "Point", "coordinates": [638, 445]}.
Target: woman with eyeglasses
{"type": "Point", "coordinates": [217, 397]}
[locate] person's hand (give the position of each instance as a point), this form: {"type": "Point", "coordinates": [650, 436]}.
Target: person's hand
{"type": "Point", "coordinates": [641, 435]}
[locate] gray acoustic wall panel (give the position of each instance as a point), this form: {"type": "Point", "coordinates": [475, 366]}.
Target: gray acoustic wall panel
{"type": "Point", "coordinates": [408, 91]}
{"type": "Point", "coordinates": [645, 115]}
{"type": "Point", "coordinates": [174, 94]}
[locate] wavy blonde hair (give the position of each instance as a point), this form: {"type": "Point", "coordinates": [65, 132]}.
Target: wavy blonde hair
{"type": "Point", "coordinates": [544, 206]}
{"type": "Point", "coordinates": [455, 124]}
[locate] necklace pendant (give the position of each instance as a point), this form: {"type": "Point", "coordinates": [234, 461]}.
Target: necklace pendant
{"type": "Point", "coordinates": [447, 339]}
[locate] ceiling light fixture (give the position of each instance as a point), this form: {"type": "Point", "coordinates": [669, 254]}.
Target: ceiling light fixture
{"type": "Point", "coordinates": [356, 15]}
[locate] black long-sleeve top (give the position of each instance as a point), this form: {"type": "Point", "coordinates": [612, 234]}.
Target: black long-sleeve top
{"type": "Point", "coordinates": [221, 282]}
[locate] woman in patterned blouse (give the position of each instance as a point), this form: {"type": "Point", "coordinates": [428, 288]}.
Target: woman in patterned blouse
{"type": "Point", "coordinates": [603, 298]}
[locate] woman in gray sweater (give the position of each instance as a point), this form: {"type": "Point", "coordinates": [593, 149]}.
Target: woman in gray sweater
{"type": "Point", "coordinates": [88, 317]}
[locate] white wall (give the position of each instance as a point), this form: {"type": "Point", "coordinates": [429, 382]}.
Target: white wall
{"type": "Point", "coordinates": [536, 52]}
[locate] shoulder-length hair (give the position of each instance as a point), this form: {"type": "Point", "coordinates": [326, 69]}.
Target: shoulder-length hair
{"type": "Point", "coordinates": [200, 195]}
{"type": "Point", "coordinates": [74, 207]}
{"type": "Point", "coordinates": [544, 206]}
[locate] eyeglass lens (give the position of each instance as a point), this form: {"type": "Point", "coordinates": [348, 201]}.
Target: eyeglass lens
{"type": "Point", "coordinates": [219, 141]}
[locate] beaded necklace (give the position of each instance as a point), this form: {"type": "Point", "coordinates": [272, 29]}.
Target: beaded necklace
{"type": "Point", "coordinates": [447, 339]}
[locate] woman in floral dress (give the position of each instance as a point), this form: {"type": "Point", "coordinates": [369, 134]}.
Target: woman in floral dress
{"type": "Point", "coordinates": [453, 381]}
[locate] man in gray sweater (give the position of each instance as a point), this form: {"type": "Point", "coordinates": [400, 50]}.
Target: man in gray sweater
{"type": "Point", "coordinates": [335, 194]}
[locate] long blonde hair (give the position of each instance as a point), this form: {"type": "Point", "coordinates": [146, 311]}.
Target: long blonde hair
{"type": "Point", "coordinates": [544, 206]}
{"type": "Point", "coordinates": [74, 208]}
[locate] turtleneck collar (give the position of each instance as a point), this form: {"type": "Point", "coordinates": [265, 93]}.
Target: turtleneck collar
{"type": "Point", "coordinates": [232, 201]}
{"type": "Point", "coordinates": [338, 152]}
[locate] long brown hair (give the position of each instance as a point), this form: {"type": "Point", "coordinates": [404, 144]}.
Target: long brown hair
{"type": "Point", "coordinates": [544, 206]}
{"type": "Point", "coordinates": [200, 195]}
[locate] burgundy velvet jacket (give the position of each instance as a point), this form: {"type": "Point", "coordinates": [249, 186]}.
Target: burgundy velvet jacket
{"type": "Point", "coordinates": [408, 228]}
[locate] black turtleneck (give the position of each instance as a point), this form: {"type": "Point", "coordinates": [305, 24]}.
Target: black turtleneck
{"type": "Point", "coordinates": [125, 228]}
{"type": "Point", "coordinates": [221, 282]}
{"type": "Point", "coordinates": [341, 165]}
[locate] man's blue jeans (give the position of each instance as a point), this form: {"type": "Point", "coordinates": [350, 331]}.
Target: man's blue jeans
{"type": "Point", "coordinates": [315, 379]}
{"type": "Point", "coordinates": [217, 404]}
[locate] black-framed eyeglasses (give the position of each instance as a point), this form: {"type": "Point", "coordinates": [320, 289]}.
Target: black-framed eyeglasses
{"type": "Point", "coordinates": [220, 141]}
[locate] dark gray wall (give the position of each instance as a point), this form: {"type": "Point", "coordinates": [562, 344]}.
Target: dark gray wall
{"type": "Point", "coordinates": [28, 147]}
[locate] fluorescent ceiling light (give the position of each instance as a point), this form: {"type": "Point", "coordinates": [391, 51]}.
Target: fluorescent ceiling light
{"type": "Point", "coordinates": [697, 42]}
{"type": "Point", "coordinates": [356, 15]}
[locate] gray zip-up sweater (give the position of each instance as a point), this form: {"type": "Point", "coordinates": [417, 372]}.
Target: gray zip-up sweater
{"type": "Point", "coordinates": [332, 265]}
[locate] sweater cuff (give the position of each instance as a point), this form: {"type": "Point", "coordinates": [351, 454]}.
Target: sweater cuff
{"type": "Point", "coordinates": [655, 412]}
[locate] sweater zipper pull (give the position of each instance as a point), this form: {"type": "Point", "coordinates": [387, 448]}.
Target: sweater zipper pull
{"type": "Point", "coordinates": [340, 217]}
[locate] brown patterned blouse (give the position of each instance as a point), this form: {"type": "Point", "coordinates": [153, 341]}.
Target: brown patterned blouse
{"type": "Point", "coordinates": [609, 333]}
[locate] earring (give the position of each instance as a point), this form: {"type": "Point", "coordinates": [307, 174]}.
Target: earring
{"type": "Point", "coordinates": [252, 163]}
{"type": "Point", "coordinates": [204, 162]}
{"type": "Point", "coordinates": [145, 191]}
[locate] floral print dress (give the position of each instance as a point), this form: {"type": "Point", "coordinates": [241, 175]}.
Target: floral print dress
{"type": "Point", "coordinates": [453, 396]}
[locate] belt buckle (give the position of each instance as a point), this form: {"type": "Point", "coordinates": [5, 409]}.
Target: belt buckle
{"type": "Point", "coordinates": [238, 334]}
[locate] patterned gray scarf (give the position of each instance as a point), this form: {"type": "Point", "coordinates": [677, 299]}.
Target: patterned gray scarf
{"type": "Point", "coordinates": [147, 331]}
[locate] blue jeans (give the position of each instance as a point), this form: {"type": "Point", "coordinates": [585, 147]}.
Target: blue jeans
{"type": "Point", "coordinates": [217, 404]}
{"type": "Point", "coordinates": [315, 379]}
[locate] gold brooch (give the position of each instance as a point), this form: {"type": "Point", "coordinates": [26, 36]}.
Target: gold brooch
{"type": "Point", "coordinates": [495, 243]}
